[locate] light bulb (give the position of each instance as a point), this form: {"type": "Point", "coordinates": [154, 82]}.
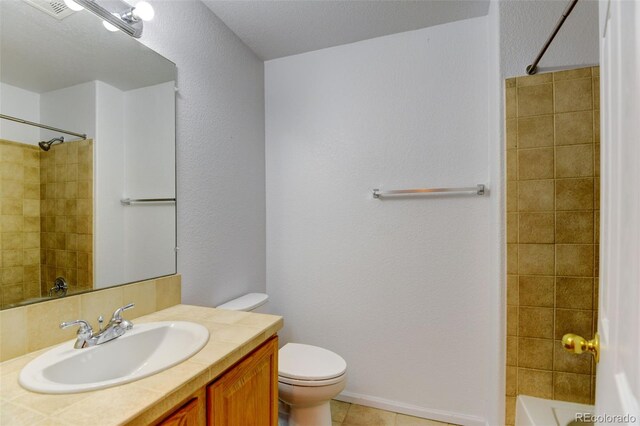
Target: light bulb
{"type": "Point", "coordinates": [73, 5]}
{"type": "Point", "coordinates": [144, 11]}
{"type": "Point", "coordinates": [110, 26]}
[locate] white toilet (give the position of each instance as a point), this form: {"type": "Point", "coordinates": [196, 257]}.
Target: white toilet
{"type": "Point", "coordinates": [308, 376]}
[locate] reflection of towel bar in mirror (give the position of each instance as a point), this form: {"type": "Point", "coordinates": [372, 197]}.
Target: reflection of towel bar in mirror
{"type": "Point", "coordinates": [131, 201]}
{"type": "Point", "coordinates": [471, 190]}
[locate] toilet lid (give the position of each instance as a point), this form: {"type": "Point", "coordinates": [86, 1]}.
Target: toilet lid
{"type": "Point", "coordinates": [306, 362]}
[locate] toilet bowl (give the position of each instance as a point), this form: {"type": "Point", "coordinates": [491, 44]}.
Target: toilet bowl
{"type": "Point", "coordinates": [308, 376]}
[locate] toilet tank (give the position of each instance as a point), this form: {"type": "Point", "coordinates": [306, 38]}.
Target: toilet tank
{"type": "Point", "coordinates": [252, 302]}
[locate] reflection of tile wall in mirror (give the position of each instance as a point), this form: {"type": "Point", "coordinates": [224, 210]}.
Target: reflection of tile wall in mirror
{"type": "Point", "coordinates": [67, 215]}
{"type": "Point", "coordinates": [19, 222]}
{"type": "Point", "coordinates": [46, 220]}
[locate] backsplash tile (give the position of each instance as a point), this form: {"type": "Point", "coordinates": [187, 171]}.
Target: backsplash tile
{"type": "Point", "coordinates": [29, 328]}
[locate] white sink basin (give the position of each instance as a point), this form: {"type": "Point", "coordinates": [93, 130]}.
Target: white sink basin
{"type": "Point", "coordinates": [144, 350]}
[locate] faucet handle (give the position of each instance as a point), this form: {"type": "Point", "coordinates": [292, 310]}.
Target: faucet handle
{"type": "Point", "coordinates": [117, 314]}
{"type": "Point", "coordinates": [85, 329]}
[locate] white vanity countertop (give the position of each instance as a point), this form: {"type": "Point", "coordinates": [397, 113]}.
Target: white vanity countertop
{"type": "Point", "coordinates": [233, 335]}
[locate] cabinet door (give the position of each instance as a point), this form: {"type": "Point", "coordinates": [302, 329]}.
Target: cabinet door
{"type": "Point", "coordinates": [188, 415]}
{"type": "Point", "coordinates": [247, 394]}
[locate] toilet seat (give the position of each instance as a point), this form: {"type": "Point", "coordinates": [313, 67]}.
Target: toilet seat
{"type": "Point", "coordinates": [311, 383]}
{"type": "Point", "coordinates": [307, 365]}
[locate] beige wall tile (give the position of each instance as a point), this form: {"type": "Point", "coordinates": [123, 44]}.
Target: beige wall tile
{"type": "Point", "coordinates": [510, 411]}
{"type": "Point", "coordinates": [568, 362]}
{"type": "Point", "coordinates": [510, 82]}
{"type": "Point", "coordinates": [43, 320]}
{"type": "Point", "coordinates": [535, 100]}
{"type": "Point", "coordinates": [596, 92]}
{"type": "Point", "coordinates": [574, 161]}
{"type": "Point", "coordinates": [512, 164]}
{"type": "Point", "coordinates": [168, 291]}
{"type": "Point", "coordinates": [573, 321]}
{"type": "Point", "coordinates": [535, 291]}
{"type": "Point", "coordinates": [532, 80]}
{"type": "Point", "coordinates": [574, 128]}
{"type": "Point", "coordinates": [535, 322]}
{"type": "Point", "coordinates": [535, 195]}
{"type": "Point", "coordinates": [535, 383]}
{"type": "Point", "coordinates": [512, 290]}
{"type": "Point", "coordinates": [512, 320]}
{"type": "Point", "coordinates": [559, 212]}
{"type": "Point", "coordinates": [143, 295]}
{"type": "Point", "coordinates": [535, 132]}
{"type": "Point", "coordinates": [572, 74]}
{"type": "Point", "coordinates": [574, 194]}
{"type": "Point", "coordinates": [574, 292]}
{"type": "Point", "coordinates": [512, 381]}
{"type": "Point", "coordinates": [512, 196]}
{"type": "Point", "coordinates": [512, 350]}
{"type": "Point", "coordinates": [13, 336]}
{"type": "Point", "coordinates": [512, 133]}
{"type": "Point", "coordinates": [536, 259]}
{"type": "Point", "coordinates": [574, 260]}
{"type": "Point", "coordinates": [535, 353]}
{"type": "Point", "coordinates": [104, 303]}
{"type": "Point", "coordinates": [574, 227]}
{"type": "Point", "coordinates": [512, 258]}
{"type": "Point", "coordinates": [535, 163]}
{"type": "Point", "coordinates": [573, 95]}
{"type": "Point", "coordinates": [512, 227]}
{"type": "Point", "coordinates": [572, 387]}
{"type": "Point", "coordinates": [536, 227]}
{"type": "Point", "coordinates": [511, 105]}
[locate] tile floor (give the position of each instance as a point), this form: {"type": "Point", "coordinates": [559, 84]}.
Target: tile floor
{"type": "Point", "coordinates": [345, 414]}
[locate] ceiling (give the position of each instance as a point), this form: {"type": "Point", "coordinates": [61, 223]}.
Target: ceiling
{"type": "Point", "coordinates": [40, 53]}
{"type": "Point", "coordinates": [273, 29]}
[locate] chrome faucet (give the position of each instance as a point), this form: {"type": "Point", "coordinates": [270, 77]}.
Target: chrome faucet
{"type": "Point", "coordinates": [116, 327]}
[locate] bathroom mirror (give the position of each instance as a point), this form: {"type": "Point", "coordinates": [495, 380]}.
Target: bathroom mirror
{"type": "Point", "coordinates": [69, 219]}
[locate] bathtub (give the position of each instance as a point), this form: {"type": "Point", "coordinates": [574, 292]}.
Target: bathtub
{"type": "Point", "coordinates": [532, 411]}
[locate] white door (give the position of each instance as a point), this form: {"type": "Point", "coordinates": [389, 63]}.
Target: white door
{"type": "Point", "coordinates": [618, 374]}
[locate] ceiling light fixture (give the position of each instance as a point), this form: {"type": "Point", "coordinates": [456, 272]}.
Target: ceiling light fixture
{"type": "Point", "coordinates": [73, 5]}
{"type": "Point", "coordinates": [122, 15]}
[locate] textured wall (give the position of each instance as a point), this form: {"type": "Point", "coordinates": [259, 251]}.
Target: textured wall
{"type": "Point", "coordinates": [400, 288]}
{"type": "Point", "coordinates": [220, 152]}
{"type": "Point", "coordinates": [22, 104]}
{"type": "Point", "coordinates": [526, 24]}
{"type": "Point", "coordinates": [553, 183]}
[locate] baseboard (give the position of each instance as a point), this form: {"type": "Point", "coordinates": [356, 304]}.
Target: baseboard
{"type": "Point", "coordinates": [411, 410]}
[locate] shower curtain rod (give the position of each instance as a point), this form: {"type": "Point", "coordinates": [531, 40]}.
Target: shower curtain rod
{"type": "Point", "coordinates": [42, 126]}
{"type": "Point", "coordinates": [533, 68]}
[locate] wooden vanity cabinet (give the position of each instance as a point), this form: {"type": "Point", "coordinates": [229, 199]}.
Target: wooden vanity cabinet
{"type": "Point", "coordinates": [244, 395]}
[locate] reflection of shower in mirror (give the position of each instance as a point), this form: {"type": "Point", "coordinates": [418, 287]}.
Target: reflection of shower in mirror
{"type": "Point", "coordinates": [46, 145]}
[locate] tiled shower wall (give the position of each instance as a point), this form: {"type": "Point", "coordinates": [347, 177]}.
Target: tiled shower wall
{"type": "Point", "coordinates": [46, 218]}
{"type": "Point", "coordinates": [66, 177]}
{"type": "Point", "coordinates": [552, 232]}
{"type": "Point", "coordinates": [19, 222]}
